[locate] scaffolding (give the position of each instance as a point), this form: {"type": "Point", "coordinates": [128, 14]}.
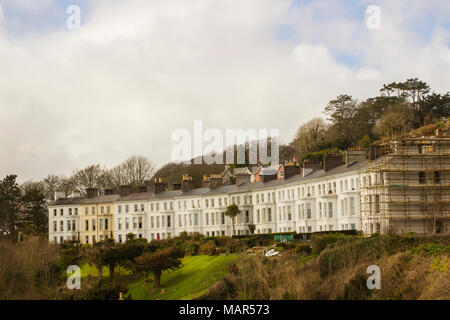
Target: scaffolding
{"type": "Point", "coordinates": [405, 185]}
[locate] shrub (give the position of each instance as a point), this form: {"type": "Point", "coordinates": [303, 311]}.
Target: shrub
{"type": "Point", "coordinates": [303, 248]}
{"type": "Point", "coordinates": [286, 245]}
{"type": "Point", "coordinates": [108, 292]}
{"type": "Point", "coordinates": [208, 248]}
{"type": "Point", "coordinates": [191, 248]}
{"type": "Point", "coordinates": [321, 241]}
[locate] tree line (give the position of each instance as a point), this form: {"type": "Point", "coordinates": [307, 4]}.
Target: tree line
{"type": "Point", "coordinates": [399, 108]}
{"type": "Point", "coordinates": [23, 208]}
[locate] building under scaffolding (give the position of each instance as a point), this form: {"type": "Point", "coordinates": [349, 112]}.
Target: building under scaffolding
{"type": "Point", "coordinates": [406, 185]}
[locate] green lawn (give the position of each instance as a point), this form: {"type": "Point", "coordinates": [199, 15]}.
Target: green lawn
{"type": "Point", "coordinates": [195, 276]}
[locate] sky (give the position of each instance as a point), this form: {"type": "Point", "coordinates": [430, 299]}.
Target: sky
{"type": "Point", "coordinates": [137, 70]}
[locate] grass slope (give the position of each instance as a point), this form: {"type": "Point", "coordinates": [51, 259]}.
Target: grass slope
{"type": "Point", "coordinates": [196, 275]}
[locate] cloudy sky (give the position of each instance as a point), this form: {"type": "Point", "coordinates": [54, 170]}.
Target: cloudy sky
{"type": "Point", "coordinates": [138, 69]}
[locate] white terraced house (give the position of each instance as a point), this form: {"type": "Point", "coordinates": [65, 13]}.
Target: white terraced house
{"type": "Point", "coordinates": [320, 196]}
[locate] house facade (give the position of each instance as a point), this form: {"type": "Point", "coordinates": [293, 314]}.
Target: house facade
{"type": "Point", "coordinates": [378, 194]}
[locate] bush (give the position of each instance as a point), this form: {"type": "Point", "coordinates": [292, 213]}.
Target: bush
{"type": "Point", "coordinates": [208, 248]}
{"type": "Point", "coordinates": [321, 241]}
{"type": "Point", "coordinates": [303, 248]}
{"type": "Point", "coordinates": [191, 248]}
{"type": "Point", "coordinates": [286, 245]}
{"type": "Point", "coordinates": [106, 292]}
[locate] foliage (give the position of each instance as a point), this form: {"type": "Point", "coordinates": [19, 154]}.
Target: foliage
{"type": "Point", "coordinates": [156, 262]}
{"type": "Point", "coordinates": [232, 211]}
{"type": "Point", "coordinates": [364, 142]}
{"type": "Point", "coordinates": [190, 281]}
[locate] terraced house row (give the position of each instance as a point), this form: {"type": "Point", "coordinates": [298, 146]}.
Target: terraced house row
{"type": "Point", "coordinates": [399, 186]}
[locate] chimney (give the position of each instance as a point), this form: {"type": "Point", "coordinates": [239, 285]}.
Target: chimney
{"type": "Point", "coordinates": [124, 190]}
{"type": "Point", "coordinates": [186, 183]}
{"type": "Point", "coordinates": [75, 194]}
{"type": "Point", "coordinates": [332, 160]}
{"type": "Point", "coordinates": [213, 181]}
{"type": "Point", "coordinates": [291, 169]}
{"type": "Point", "coordinates": [352, 155]}
{"type": "Point", "coordinates": [108, 192]}
{"type": "Point", "coordinates": [242, 178]}
{"type": "Point", "coordinates": [142, 189]}
{"type": "Point", "coordinates": [312, 164]}
{"type": "Point", "coordinates": [159, 186]}
{"type": "Point", "coordinates": [91, 192]}
{"type": "Point", "coordinates": [176, 186]}
{"type": "Point", "coordinates": [59, 195]}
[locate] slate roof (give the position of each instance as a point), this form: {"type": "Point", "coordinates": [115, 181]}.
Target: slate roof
{"type": "Point", "coordinates": [245, 187]}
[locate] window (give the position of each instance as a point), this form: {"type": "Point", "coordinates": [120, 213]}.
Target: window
{"type": "Point", "coordinates": [108, 209]}
{"type": "Point", "coordinates": [70, 211]}
{"type": "Point", "coordinates": [61, 212]}
{"type": "Point", "coordinates": [247, 216]}
{"type": "Point", "coordinates": [106, 224]}
{"type": "Point", "coordinates": [320, 209]}
{"type": "Point", "coordinates": [54, 212]}
{"type": "Point", "coordinates": [102, 210]}
{"type": "Point", "coordinates": [127, 208]}
{"type": "Point", "coordinates": [377, 203]}
{"type": "Point", "coordinates": [76, 211]}
{"type": "Point", "coordinates": [93, 225]}
{"type": "Point", "coordinates": [93, 210]}
{"type": "Point", "coordinates": [195, 219]}
{"type": "Point", "coordinates": [422, 178]}
{"type": "Point", "coordinates": [223, 217]}
{"type": "Point", "coordinates": [119, 227]}
{"type": "Point", "coordinates": [86, 239]}
{"type": "Point", "coordinates": [86, 225]}
{"type": "Point", "coordinates": [269, 214]}
{"type": "Point", "coordinates": [352, 206]}
{"type": "Point", "coordinates": [136, 208]}
{"type": "Point", "coordinates": [437, 177]}
{"type": "Point", "coordinates": [330, 209]}
{"type": "Point", "coordinates": [120, 238]}
{"type": "Point", "coordinates": [308, 211]}
{"type": "Point", "coordinates": [55, 226]}
{"type": "Point", "coordinates": [168, 222]}
{"type": "Point", "coordinates": [86, 211]}
{"type": "Point", "coordinates": [119, 209]}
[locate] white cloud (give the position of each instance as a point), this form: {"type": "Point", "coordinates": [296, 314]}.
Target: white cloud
{"type": "Point", "coordinates": [137, 70]}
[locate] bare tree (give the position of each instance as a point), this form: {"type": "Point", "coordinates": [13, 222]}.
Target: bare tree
{"type": "Point", "coordinates": [94, 176]}
{"type": "Point", "coordinates": [310, 136]}
{"type": "Point", "coordinates": [134, 171]}
{"type": "Point", "coordinates": [51, 184]}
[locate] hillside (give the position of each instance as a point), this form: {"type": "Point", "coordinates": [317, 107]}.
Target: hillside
{"type": "Point", "coordinates": [196, 275]}
{"type": "Point", "coordinates": [334, 267]}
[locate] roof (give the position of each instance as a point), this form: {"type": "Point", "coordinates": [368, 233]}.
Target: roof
{"type": "Point", "coordinates": [101, 199]}
{"type": "Point", "coordinates": [227, 189]}
{"type": "Point", "coordinates": [66, 201]}
{"type": "Point", "coordinates": [243, 170]}
{"type": "Point", "coordinates": [269, 171]}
